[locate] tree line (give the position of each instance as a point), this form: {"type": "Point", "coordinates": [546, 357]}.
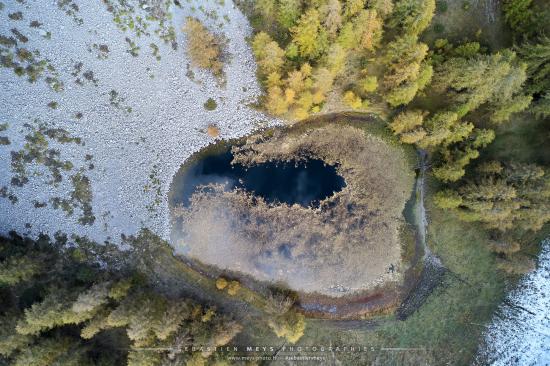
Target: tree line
{"type": "Point", "coordinates": [74, 302]}
{"type": "Point", "coordinates": [304, 48]}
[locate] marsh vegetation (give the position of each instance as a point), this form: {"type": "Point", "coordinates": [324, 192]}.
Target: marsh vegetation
{"type": "Point", "coordinates": [276, 213]}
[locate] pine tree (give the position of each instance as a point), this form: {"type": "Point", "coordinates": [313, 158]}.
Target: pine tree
{"type": "Point", "coordinates": [402, 58]}
{"type": "Point", "coordinates": [288, 12]}
{"type": "Point", "coordinates": [148, 317]}
{"type": "Point", "coordinates": [408, 125]}
{"type": "Point", "coordinates": [351, 100]}
{"type": "Point", "coordinates": [267, 8]}
{"type": "Point", "coordinates": [90, 300]}
{"type": "Point", "coordinates": [453, 163]}
{"type": "Point", "coordinates": [503, 197]}
{"type": "Point", "coordinates": [336, 58]}
{"type": "Point", "coordinates": [517, 264]}
{"type": "Point", "coordinates": [18, 269]}
{"type": "Point", "coordinates": [346, 37]}
{"type": "Point", "coordinates": [541, 108]}
{"type": "Point", "coordinates": [439, 129]}
{"type": "Point", "coordinates": [44, 333]}
{"type": "Point", "coordinates": [44, 353]}
{"type": "Point", "coordinates": [290, 325]}
{"type": "Point", "coordinates": [519, 14]}
{"type": "Point", "coordinates": [276, 102]}
{"type": "Point", "coordinates": [10, 340]}
{"type": "Point", "coordinates": [383, 7]}
{"type": "Point", "coordinates": [322, 84]}
{"type": "Point", "coordinates": [140, 357]}
{"type": "Point", "coordinates": [447, 199]}
{"type": "Point", "coordinates": [368, 84]}
{"type": "Point", "coordinates": [353, 7]}
{"type": "Point", "coordinates": [405, 73]}
{"type": "Point", "coordinates": [57, 309]}
{"type": "Point", "coordinates": [536, 55]}
{"type": "Point", "coordinates": [367, 27]}
{"type": "Point", "coordinates": [45, 315]}
{"type": "Point", "coordinates": [493, 80]}
{"type": "Point", "coordinates": [503, 110]}
{"type": "Point", "coordinates": [412, 16]}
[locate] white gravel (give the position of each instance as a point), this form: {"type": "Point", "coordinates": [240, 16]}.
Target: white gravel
{"type": "Point", "coordinates": [520, 334]}
{"type": "Point", "coordinates": [167, 123]}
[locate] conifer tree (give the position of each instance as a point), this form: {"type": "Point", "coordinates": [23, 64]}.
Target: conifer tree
{"type": "Point", "coordinates": [309, 37]}
{"type": "Point", "coordinates": [353, 7]}
{"type": "Point", "coordinates": [18, 269]}
{"type": "Point", "coordinates": [493, 80]}
{"type": "Point", "coordinates": [383, 7]}
{"type": "Point", "coordinates": [519, 14]}
{"type": "Point", "coordinates": [412, 16]}
{"type": "Point", "coordinates": [408, 125]}
{"type": "Point", "coordinates": [367, 27]}
{"type": "Point", "coordinates": [47, 351]}
{"type": "Point", "coordinates": [536, 54]}
{"type": "Point", "coordinates": [288, 12]}
{"type": "Point", "coordinates": [503, 197]}
{"type": "Point", "coordinates": [332, 19]}
{"type": "Point", "coordinates": [290, 325]}
{"type": "Point", "coordinates": [405, 73]}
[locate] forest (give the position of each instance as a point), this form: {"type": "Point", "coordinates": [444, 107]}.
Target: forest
{"type": "Point", "coordinates": [447, 98]}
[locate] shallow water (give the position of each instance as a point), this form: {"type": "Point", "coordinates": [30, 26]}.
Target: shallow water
{"type": "Point", "coordinates": [305, 183]}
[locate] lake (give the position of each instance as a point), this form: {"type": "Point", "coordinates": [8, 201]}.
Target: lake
{"type": "Point", "coordinates": [304, 183]}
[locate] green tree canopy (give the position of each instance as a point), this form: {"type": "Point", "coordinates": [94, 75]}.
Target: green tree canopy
{"type": "Point", "coordinates": [412, 17]}
{"type": "Point", "coordinates": [406, 72]}
{"type": "Point", "coordinates": [502, 196]}
{"type": "Point", "coordinates": [494, 81]}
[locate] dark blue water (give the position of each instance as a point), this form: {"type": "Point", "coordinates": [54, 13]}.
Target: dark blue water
{"type": "Point", "coordinates": [304, 183]}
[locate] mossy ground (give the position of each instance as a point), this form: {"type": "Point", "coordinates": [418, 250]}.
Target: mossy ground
{"type": "Point", "coordinates": [478, 20]}
{"type": "Point", "coordinates": [447, 328]}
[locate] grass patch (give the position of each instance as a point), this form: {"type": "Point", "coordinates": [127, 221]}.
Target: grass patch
{"type": "Point", "coordinates": [468, 20]}
{"type": "Point", "coordinates": [446, 329]}
{"type": "Point", "coordinates": [524, 139]}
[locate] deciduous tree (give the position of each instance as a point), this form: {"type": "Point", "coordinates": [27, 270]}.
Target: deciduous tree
{"type": "Point", "coordinates": [269, 56]}
{"type": "Point", "coordinates": [308, 35]}
{"type": "Point", "coordinates": [204, 47]}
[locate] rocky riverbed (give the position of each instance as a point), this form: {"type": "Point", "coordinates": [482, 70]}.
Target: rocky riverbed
{"type": "Point", "coordinates": [518, 334]}
{"type": "Point", "coordinates": [113, 109]}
